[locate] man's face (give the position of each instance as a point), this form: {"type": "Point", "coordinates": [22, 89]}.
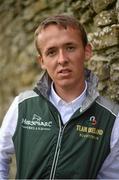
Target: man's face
{"type": "Point", "coordinates": [63, 55]}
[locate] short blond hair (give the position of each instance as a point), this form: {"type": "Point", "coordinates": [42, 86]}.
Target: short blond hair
{"type": "Point", "coordinates": [64, 21]}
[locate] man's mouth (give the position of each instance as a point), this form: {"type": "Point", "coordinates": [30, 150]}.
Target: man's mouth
{"type": "Point", "coordinates": [64, 72]}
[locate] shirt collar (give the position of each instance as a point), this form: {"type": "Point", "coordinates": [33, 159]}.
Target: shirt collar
{"type": "Point", "coordinates": [56, 100]}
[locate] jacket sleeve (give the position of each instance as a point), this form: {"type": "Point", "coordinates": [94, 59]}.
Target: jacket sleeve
{"type": "Point", "coordinates": [6, 133]}
{"type": "Point", "coordinates": [110, 168]}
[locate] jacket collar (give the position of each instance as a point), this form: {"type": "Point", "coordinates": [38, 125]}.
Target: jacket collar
{"type": "Point", "coordinates": [92, 92]}
{"type": "Point", "coordinates": [44, 85]}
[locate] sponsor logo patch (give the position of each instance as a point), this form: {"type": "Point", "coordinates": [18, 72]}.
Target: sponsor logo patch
{"type": "Point", "coordinates": [36, 123]}
{"type": "Point", "coordinates": [90, 132]}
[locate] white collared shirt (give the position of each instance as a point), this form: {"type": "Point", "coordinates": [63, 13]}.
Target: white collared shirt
{"type": "Point", "coordinates": [67, 109]}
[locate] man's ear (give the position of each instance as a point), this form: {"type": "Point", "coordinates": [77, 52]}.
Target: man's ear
{"type": "Point", "coordinates": [40, 62]}
{"type": "Point", "coordinates": [88, 51]}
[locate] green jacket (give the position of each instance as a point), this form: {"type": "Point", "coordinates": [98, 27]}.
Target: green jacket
{"type": "Point", "coordinates": [47, 149]}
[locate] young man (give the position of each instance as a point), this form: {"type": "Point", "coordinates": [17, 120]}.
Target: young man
{"type": "Point", "coordinates": [63, 129]}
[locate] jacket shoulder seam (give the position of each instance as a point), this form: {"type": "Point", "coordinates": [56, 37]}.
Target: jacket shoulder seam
{"type": "Point", "coordinates": [27, 95]}
{"type": "Point", "coordinates": [112, 107]}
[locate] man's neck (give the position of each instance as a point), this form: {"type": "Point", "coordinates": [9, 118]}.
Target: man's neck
{"type": "Point", "coordinates": [70, 94]}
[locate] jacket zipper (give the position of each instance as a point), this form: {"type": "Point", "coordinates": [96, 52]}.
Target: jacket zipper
{"type": "Point", "coordinates": [57, 151]}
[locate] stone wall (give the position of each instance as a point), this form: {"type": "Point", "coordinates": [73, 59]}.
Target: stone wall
{"type": "Point", "coordinates": [18, 21]}
{"type": "Point", "coordinates": [101, 19]}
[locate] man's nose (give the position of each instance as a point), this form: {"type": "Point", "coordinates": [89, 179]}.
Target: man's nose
{"type": "Point", "coordinates": [62, 58]}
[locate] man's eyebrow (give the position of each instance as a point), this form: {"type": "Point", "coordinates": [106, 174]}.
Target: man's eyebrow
{"type": "Point", "coordinates": [50, 48]}
{"type": "Point", "coordinates": [70, 43]}
{"type": "Point", "coordinates": [65, 44]}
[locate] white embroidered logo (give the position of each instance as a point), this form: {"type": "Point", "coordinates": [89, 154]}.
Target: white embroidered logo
{"type": "Point", "coordinates": [36, 117]}
{"type": "Point", "coordinates": [36, 123]}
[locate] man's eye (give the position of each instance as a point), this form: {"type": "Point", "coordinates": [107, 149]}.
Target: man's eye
{"type": "Point", "coordinates": [51, 53]}
{"type": "Point", "coordinates": [71, 48]}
